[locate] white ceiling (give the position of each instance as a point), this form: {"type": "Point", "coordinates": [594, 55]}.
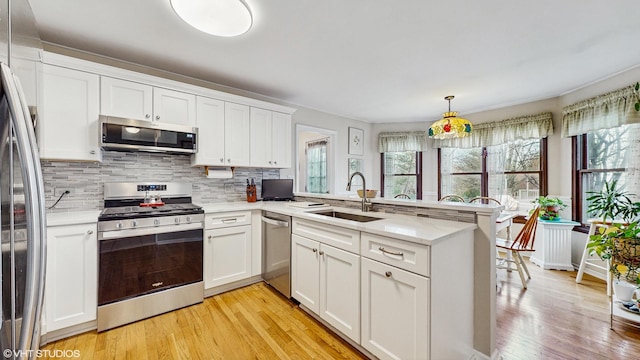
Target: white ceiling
{"type": "Point", "coordinates": [371, 60]}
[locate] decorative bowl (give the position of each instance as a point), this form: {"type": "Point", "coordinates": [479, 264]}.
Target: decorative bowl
{"type": "Point", "coordinates": [370, 193]}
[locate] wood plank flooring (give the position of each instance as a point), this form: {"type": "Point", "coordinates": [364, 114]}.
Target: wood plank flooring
{"type": "Point", "coordinates": [555, 318]}
{"type": "Point", "coordinates": [249, 323]}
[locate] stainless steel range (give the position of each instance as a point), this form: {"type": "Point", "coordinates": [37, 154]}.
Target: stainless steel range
{"type": "Point", "coordinates": [150, 251]}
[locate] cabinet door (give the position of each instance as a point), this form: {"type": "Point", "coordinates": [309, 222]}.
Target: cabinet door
{"type": "Point", "coordinates": [395, 317]}
{"type": "Point", "coordinates": [210, 123]}
{"type": "Point", "coordinates": [126, 99]}
{"type": "Point", "coordinates": [260, 138]}
{"type": "Point", "coordinates": [69, 122]}
{"type": "Point", "coordinates": [227, 255]}
{"type": "Point", "coordinates": [281, 140]}
{"type": "Point", "coordinates": [340, 290]}
{"type": "Point", "coordinates": [305, 272]}
{"type": "Point", "coordinates": [174, 107]}
{"type": "Point", "coordinates": [71, 281]}
{"type": "Point", "coordinates": [236, 136]}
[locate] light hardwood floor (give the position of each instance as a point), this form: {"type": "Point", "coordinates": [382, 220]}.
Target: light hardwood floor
{"type": "Point", "coordinates": [555, 318]}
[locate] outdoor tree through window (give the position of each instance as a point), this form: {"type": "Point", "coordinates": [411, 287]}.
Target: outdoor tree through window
{"type": "Point", "coordinates": [402, 174]}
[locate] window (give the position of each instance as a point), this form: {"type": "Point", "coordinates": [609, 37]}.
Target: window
{"type": "Point", "coordinates": [316, 158]}
{"type": "Point", "coordinates": [514, 173]}
{"type": "Point", "coordinates": [402, 174]}
{"type": "Point", "coordinates": [600, 156]}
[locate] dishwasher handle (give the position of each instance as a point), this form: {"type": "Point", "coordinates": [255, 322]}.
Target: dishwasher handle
{"type": "Point", "coordinates": [275, 222]}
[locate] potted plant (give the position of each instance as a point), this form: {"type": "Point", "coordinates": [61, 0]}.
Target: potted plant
{"type": "Point", "coordinates": [619, 244]}
{"type": "Point", "coordinates": [550, 207]}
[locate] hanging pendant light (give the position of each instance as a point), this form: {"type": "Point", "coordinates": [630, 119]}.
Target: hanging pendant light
{"type": "Point", "coordinates": [450, 126]}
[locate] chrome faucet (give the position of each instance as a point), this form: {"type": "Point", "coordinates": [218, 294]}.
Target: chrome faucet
{"type": "Point", "coordinates": [365, 204]}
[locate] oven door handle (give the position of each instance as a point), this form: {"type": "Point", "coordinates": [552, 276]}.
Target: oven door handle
{"type": "Point", "coordinates": [114, 234]}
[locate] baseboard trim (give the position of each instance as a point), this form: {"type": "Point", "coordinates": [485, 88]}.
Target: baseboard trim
{"type": "Point", "coordinates": [232, 286]}
{"type": "Point", "coordinates": [56, 335]}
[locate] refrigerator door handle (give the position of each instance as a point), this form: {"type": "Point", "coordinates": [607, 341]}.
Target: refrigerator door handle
{"type": "Point", "coordinates": [35, 212]}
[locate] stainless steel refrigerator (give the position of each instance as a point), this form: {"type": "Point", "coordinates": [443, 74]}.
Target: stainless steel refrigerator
{"type": "Point", "coordinates": [22, 212]}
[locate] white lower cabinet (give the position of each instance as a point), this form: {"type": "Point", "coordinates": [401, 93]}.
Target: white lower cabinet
{"type": "Point", "coordinates": [72, 272]}
{"type": "Point", "coordinates": [327, 281]}
{"type": "Point", "coordinates": [395, 312]}
{"type": "Point", "coordinates": [227, 248]}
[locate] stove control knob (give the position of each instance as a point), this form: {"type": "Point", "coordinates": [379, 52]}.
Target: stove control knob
{"type": "Point", "coordinates": [119, 225]}
{"type": "Point", "coordinates": [177, 220]}
{"type": "Point", "coordinates": [134, 223]}
{"type": "Point", "coordinates": [156, 222]}
{"type": "Point", "coordinates": [189, 219]}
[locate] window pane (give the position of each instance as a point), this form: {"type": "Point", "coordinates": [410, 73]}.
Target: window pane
{"type": "Point", "coordinates": [467, 186]}
{"type": "Point", "coordinates": [400, 184]}
{"type": "Point", "coordinates": [316, 158]}
{"type": "Point", "coordinates": [595, 182]}
{"type": "Point", "coordinates": [522, 155]}
{"type": "Point", "coordinates": [607, 148]}
{"type": "Point", "coordinates": [518, 190]}
{"type": "Point", "coordinates": [461, 160]}
{"type": "Point", "coordinates": [403, 162]}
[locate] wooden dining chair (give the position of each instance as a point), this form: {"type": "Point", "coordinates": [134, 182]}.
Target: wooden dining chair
{"type": "Point", "coordinates": [402, 196]}
{"type": "Point", "coordinates": [522, 242]}
{"type": "Point", "coordinates": [484, 200]}
{"type": "Point", "coordinates": [452, 198]}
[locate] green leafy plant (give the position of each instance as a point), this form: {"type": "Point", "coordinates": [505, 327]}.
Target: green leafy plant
{"type": "Point", "coordinates": [620, 244]}
{"type": "Point", "coordinates": [549, 207]}
{"type": "Point", "coordinates": [612, 203]}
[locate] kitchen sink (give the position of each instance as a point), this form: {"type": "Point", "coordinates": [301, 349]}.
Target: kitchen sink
{"type": "Point", "coordinates": [347, 216]}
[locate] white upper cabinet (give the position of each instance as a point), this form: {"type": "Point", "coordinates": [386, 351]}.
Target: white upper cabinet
{"type": "Point", "coordinates": [270, 139]}
{"type": "Point", "coordinates": [236, 135]}
{"type": "Point", "coordinates": [211, 130]}
{"type": "Point", "coordinates": [68, 125]}
{"type": "Point", "coordinates": [174, 107]}
{"type": "Point", "coordinates": [126, 99]}
{"type": "Point", "coordinates": [138, 101]}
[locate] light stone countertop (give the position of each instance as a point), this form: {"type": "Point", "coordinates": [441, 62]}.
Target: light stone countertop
{"type": "Point", "coordinates": [415, 229]}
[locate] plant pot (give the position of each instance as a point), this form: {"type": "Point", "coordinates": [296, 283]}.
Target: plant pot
{"type": "Point", "coordinates": [623, 290]}
{"type": "Point", "coordinates": [627, 251]}
{"type": "Point", "coordinates": [550, 212]}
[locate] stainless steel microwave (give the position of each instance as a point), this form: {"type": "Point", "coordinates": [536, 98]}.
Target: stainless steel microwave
{"type": "Point", "coordinates": [138, 135]}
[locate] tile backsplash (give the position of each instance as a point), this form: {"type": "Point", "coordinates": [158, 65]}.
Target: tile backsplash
{"type": "Point", "coordinates": [85, 180]}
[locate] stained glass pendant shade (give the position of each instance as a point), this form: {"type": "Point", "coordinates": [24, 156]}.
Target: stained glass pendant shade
{"type": "Point", "coordinates": [450, 126]}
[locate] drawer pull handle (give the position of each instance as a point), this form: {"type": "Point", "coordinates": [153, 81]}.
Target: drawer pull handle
{"type": "Point", "coordinates": [390, 252]}
{"type": "Point", "coordinates": [388, 274]}
{"type": "Point", "coordinates": [321, 253]}
{"type": "Point", "coordinates": [229, 221]}
{"type": "Point", "coordinates": [89, 232]}
{"type": "Point", "coordinates": [314, 250]}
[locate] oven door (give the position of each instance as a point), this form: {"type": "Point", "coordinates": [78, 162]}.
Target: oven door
{"type": "Point", "coordinates": [148, 260]}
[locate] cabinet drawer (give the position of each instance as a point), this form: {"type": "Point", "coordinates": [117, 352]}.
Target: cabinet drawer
{"type": "Point", "coordinates": [403, 254]}
{"type": "Point", "coordinates": [227, 219]}
{"type": "Point", "coordinates": [342, 238]}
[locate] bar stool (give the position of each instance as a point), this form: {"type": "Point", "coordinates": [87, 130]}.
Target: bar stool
{"type": "Point", "coordinates": [588, 260]}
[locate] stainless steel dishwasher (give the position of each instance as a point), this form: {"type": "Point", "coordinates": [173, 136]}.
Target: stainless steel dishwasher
{"type": "Point", "coordinates": [276, 251]}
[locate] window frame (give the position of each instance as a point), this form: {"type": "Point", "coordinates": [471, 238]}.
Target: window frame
{"type": "Point", "coordinates": [484, 174]}
{"type": "Point", "coordinates": [579, 165]}
{"type": "Point", "coordinates": [418, 175]}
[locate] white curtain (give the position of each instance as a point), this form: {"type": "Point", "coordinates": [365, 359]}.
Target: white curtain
{"type": "Point", "coordinates": [633, 161]}
{"type": "Point", "coordinates": [402, 141]}
{"type": "Point", "coordinates": [496, 155]}
{"type": "Point", "coordinates": [501, 132]}
{"type": "Point", "coordinates": [601, 112]}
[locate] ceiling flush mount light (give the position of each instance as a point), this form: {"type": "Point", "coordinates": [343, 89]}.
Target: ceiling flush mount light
{"type": "Point", "coordinates": [450, 126]}
{"type": "Point", "coordinates": [216, 17]}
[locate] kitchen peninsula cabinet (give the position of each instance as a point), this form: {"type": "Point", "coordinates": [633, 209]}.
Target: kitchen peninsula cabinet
{"type": "Point", "coordinates": [132, 100]}
{"type": "Point", "coordinates": [270, 139]}
{"type": "Point", "coordinates": [68, 126]}
{"type": "Point", "coordinates": [71, 278]}
{"type": "Point", "coordinates": [326, 280]}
